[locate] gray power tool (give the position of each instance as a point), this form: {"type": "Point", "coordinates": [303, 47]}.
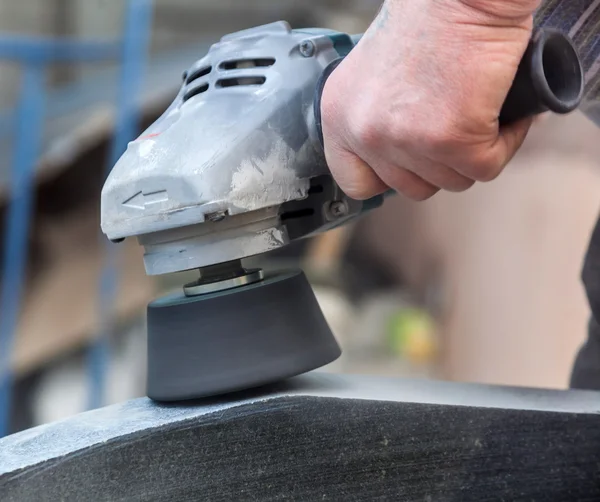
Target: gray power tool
{"type": "Point", "coordinates": [234, 168]}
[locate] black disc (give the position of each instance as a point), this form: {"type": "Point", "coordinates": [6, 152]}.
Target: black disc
{"type": "Point", "coordinates": [238, 339]}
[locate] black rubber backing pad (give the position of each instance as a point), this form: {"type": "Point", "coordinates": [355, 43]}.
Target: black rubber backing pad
{"type": "Point", "coordinates": [237, 339]}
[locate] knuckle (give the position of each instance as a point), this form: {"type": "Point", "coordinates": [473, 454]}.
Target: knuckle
{"type": "Point", "coordinates": [368, 132]}
{"type": "Point", "coordinates": [463, 145]}
{"type": "Point", "coordinates": [483, 167]}
{"type": "Point", "coordinates": [400, 134]}
{"type": "Point", "coordinates": [442, 139]}
{"type": "Point", "coordinates": [450, 135]}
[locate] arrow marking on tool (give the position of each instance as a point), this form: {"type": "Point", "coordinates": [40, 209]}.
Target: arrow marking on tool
{"type": "Point", "coordinates": [142, 200]}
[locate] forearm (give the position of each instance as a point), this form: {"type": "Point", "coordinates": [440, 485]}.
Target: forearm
{"type": "Point", "coordinates": [581, 20]}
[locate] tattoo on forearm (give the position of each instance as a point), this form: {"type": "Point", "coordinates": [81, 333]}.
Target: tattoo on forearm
{"type": "Point", "coordinates": [382, 17]}
{"type": "Point", "coordinates": [380, 21]}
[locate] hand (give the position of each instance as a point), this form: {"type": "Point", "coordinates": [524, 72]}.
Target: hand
{"type": "Point", "coordinates": [415, 105]}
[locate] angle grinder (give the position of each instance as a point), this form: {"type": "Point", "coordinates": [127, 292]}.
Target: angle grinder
{"type": "Point", "coordinates": [235, 167]}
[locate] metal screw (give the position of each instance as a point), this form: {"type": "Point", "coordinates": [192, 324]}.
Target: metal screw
{"type": "Point", "coordinates": [307, 48]}
{"type": "Point", "coordinates": [338, 209]}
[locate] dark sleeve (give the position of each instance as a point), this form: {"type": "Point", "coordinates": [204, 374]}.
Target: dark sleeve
{"type": "Point", "coordinates": [580, 19]}
{"type": "Point", "coordinates": [586, 371]}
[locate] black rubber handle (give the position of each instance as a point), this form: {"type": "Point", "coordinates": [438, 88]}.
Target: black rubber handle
{"type": "Point", "coordinates": [549, 78]}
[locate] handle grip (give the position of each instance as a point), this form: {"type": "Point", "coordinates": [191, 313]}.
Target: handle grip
{"type": "Point", "coordinates": [549, 78]}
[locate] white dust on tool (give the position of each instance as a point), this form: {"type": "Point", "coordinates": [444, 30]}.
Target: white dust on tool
{"type": "Point", "coordinates": [145, 148]}
{"type": "Point", "coordinates": [264, 182]}
{"type": "Point", "coordinates": [264, 241]}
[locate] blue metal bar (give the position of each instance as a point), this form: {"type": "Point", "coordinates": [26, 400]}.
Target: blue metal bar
{"type": "Point", "coordinates": [28, 135]}
{"type": "Point", "coordinates": [47, 50]}
{"type": "Point", "coordinates": [138, 23]}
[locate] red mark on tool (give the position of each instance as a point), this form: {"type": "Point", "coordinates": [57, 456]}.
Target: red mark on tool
{"type": "Point", "coordinates": [148, 136]}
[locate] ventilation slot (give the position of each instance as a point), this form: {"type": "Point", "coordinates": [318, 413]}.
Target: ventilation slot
{"type": "Point", "coordinates": [202, 72]}
{"type": "Point", "coordinates": [232, 82]}
{"type": "Point", "coordinates": [195, 91]}
{"type": "Point", "coordinates": [300, 213]}
{"type": "Point", "coordinates": [240, 64]}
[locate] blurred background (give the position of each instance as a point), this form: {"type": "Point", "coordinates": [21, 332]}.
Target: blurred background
{"type": "Point", "coordinates": [483, 286]}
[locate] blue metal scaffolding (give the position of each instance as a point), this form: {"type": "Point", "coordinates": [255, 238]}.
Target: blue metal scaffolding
{"type": "Point", "coordinates": [35, 55]}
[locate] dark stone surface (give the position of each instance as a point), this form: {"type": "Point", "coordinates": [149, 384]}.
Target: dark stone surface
{"type": "Point", "coordinates": [322, 448]}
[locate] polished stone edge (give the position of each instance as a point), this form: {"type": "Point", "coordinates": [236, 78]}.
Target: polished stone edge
{"type": "Point", "coordinates": [33, 446]}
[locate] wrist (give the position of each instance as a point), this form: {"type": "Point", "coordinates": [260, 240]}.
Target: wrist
{"type": "Point", "coordinates": [501, 10]}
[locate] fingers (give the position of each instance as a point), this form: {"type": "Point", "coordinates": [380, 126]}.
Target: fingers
{"type": "Point", "coordinates": [369, 157]}
{"type": "Point", "coordinates": [434, 173]}
{"type": "Point", "coordinates": [420, 178]}
{"type": "Point", "coordinates": [353, 175]}
{"type": "Point", "coordinates": [484, 162]}
{"type": "Point", "coordinates": [361, 181]}
{"type": "Point", "coordinates": [406, 182]}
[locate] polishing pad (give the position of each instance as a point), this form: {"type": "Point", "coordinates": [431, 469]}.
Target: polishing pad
{"type": "Point", "coordinates": [237, 339]}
